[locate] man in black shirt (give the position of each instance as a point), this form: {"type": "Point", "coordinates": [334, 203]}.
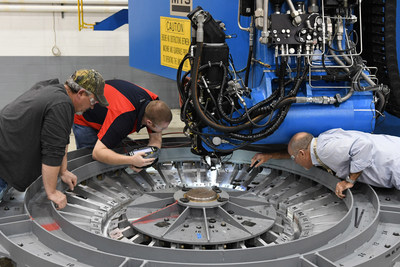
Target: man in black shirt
{"type": "Point", "coordinates": [45, 113]}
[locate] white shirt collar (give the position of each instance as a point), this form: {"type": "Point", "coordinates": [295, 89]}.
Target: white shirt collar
{"type": "Point", "coordinates": [313, 157]}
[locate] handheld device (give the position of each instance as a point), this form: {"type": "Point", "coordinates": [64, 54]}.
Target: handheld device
{"type": "Point", "coordinates": [151, 152]}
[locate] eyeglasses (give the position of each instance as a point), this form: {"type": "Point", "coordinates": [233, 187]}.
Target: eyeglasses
{"type": "Point", "coordinates": [92, 100]}
{"type": "Point", "coordinates": [293, 157]}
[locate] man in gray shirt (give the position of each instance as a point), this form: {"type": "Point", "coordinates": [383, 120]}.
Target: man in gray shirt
{"type": "Point", "coordinates": [350, 155]}
{"type": "Point", "coordinates": [35, 130]}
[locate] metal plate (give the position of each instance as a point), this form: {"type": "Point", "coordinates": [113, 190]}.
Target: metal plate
{"type": "Point", "coordinates": [280, 215]}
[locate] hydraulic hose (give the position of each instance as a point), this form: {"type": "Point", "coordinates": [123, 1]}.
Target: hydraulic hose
{"type": "Point", "coordinates": [196, 104]}
{"type": "Point", "coordinates": [179, 79]}
{"type": "Point", "coordinates": [260, 108]}
{"type": "Point", "coordinates": [349, 61]}
{"type": "Point", "coordinates": [249, 57]}
{"type": "Point", "coordinates": [276, 122]}
{"type": "Point", "coordinates": [283, 105]}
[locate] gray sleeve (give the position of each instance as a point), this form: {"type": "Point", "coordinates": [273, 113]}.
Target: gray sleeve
{"type": "Point", "coordinates": [345, 151]}
{"type": "Point", "coordinates": [55, 133]}
{"type": "Point", "coordinates": [361, 154]}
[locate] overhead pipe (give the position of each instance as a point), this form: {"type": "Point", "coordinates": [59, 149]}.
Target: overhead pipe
{"type": "Point", "coordinates": [71, 9]}
{"type": "Point", "coordinates": [72, 2]}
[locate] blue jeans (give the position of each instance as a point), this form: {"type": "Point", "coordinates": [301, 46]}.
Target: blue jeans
{"type": "Point", "coordinates": [3, 188]}
{"type": "Point", "coordinates": [85, 136]}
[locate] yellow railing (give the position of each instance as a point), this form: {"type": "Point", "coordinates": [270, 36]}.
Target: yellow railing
{"type": "Point", "coordinates": [82, 23]}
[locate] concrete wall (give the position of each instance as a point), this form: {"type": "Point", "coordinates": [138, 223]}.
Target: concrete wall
{"type": "Point", "coordinates": [26, 53]}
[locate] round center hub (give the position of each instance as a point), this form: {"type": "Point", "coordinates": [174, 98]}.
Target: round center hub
{"type": "Point", "coordinates": [201, 194]}
{"type": "Point", "coordinates": [201, 197]}
{"type": "Point", "coordinates": [203, 216]}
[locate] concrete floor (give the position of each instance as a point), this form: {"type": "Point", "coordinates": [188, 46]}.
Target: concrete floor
{"type": "Point", "coordinates": [175, 129]}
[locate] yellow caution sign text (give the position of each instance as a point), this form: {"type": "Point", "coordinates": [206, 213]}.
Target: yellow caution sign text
{"type": "Point", "coordinates": [174, 41]}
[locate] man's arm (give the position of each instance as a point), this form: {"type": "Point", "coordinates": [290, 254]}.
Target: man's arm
{"type": "Point", "coordinates": [343, 185]}
{"type": "Point", "coordinates": [155, 139]}
{"type": "Point", "coordinates": [360, 154]}
{"type": "Point", "coordinates": [104, 154]}
{"type": "Point", "coordinates": [260, 158]}
{"type": "Point", "coordinates": [66, 176]}
{"type": "Point", "coordinates": [49, 176]}
{"type": "Point", "coordinates": [360, 159]}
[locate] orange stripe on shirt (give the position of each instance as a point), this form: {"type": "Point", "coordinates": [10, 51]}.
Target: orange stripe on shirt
{"type": "Point", "coordinates": [118, 104]}
{"type": "Point", "coordinates": [80, 120]}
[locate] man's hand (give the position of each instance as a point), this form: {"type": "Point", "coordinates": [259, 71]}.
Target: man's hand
{"type": "Point", "coordinates": [261, 158]}
{"type": "Point", "coordinates": [264, 157]}
{"type": "Point", "coordinates": [341, 186]}
{"type": "Point", "coordinates": [69, 178]}
{"type": "Point", "coordinates": [106, 155]}
{"type": "Point", "coordinates": [59, 199]}
{"type": "Point", "coordinates": [138, 161]}
{"type": "Point", "coordinates": [135, 169]}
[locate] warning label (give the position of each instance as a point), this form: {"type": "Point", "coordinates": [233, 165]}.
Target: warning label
{"type": "Point", "coordinates": [174, 41]}
{"type": "Point", "coordinates": [180, 7]}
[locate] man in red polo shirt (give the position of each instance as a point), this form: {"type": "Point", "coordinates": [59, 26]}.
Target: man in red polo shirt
{"type": "Point", "coordinates": [130, 108]}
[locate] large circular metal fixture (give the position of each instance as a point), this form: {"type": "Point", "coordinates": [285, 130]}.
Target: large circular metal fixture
{"type": "Point", "coordinates": [186, 211]}
{"type": "Point", "coordinates": [204, 217]}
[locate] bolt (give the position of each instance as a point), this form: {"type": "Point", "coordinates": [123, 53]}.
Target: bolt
{"type": "Point", "coordinates": [216, 189]}
{"type": "Point", "coordinates": [166, 219]}
{"type": "Point", "coordinates": [211, 226]}
{"type": "Point", "coordinates": [387, 246]}
{"type": "Point", "coordinates": [184, 200]}
{"type": "Point", "coordinates": [223, 224]}
{"type": "Point", "coordinates": [186, 225]}
{"type": "Point", "coordinates": [185, 189]}
{"type": "Point", "coordinates": [387, 199]}
{"type": "Point", "coordinates": [212, 220]}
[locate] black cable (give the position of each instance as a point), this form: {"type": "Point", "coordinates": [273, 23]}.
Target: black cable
{"type": "Point", "coordinates": [249, 57]}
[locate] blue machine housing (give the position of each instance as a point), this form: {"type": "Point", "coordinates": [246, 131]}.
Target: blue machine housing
{"type": "Point", "coordinates": [356, 113]}
{"type": "Point", "coordinates": [144, 33]}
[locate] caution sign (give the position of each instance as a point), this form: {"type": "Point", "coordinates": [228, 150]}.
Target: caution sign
{"type": "Point", "coordinates": [180, 7]}
{"type": "Point", "coordinates": [174, 41]}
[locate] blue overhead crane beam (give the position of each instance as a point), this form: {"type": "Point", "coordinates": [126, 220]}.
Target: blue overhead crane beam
{"type": "Point", "coordinates": [113, 22]}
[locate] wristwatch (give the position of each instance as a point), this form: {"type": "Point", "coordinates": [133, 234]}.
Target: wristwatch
{"type": "Point", "coordinates": [349, 180]}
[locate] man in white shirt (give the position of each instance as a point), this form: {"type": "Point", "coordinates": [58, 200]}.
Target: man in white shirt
{"type": "Point", "coordinates": [350, 155]}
